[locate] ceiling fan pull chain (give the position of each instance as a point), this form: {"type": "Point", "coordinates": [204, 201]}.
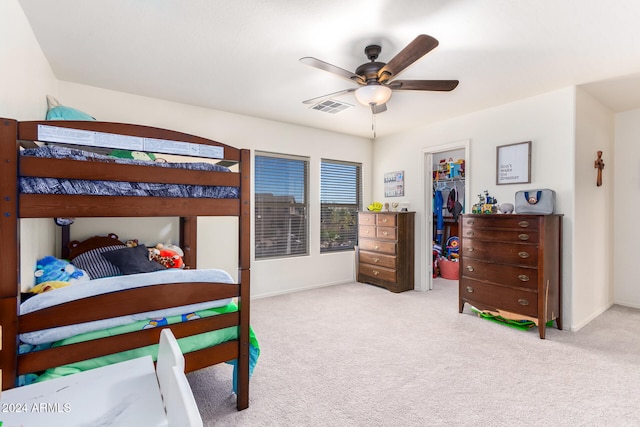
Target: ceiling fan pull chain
{"type": "Point", "coordinates": [373, 120]}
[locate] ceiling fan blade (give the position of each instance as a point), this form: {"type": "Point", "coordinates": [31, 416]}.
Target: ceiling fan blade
{"type": "Point", "coordinates": [378, 108]}
{"type": "Point", "coordinates": [325, 66]}
{"type": "Point", "coordinates": [330, 95]}
{"type": "Point", "coordinates": [415, 50]}
{"type": "Point", "coordinates": [434, 85]}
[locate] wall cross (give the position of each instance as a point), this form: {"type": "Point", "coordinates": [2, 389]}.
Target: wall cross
{"type": "Point", "coordinates": [599, 164]}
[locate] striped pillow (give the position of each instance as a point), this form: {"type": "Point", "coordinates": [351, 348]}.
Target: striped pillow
{"type": "Point", "coordinates": [95, 264]}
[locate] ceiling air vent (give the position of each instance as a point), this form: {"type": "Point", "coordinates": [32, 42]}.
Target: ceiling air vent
{"type": "Point", "coordinates": [330, 106]}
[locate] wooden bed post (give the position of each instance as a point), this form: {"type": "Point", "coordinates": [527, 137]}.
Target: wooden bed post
{"type": "Point", "coordinates": [244, 276]}
{"type": "Point", "coordinates": [65, 237]}
{"type": "Point", "coordinates": [189, 240]}
{"type": "Point", "coordinates": [10, 249]}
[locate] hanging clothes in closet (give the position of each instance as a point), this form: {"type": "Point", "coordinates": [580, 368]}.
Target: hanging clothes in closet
{"type": "Point", "coordinates": [438, 203]}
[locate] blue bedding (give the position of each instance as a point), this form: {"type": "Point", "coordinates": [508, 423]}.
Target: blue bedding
{"type": "Point", "coordinates": [36, 185]}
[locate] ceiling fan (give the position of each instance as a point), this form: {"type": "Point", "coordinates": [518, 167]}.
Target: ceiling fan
{"type": "Point", "coordinates": [376, 79]}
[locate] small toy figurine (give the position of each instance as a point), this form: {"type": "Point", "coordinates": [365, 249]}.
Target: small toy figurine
{"type": "Point", "coordinates": [477, 208]}
{"type": "Point", "coordinates": [490, 204]}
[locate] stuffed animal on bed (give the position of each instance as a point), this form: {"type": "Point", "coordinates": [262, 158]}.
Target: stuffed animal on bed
{"type": "Point", "coordinates": [168, 255]}
{"type": "Point", "coordinates": [53, 273]}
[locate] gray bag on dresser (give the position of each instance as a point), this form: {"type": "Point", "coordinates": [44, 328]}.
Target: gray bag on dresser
{"type": "Point", "coordinates": [540, 202]}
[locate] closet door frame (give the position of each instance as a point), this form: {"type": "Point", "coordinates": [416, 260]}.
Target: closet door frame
{"type": "Point", "coordinates": [426, 270]}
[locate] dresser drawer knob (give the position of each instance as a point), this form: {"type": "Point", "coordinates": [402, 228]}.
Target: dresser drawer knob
{"type": "Point", "coordinates": [375, 272]}
{"type": "Point", "coordinates": [469, 289]}
{"type": "Point", "coordinates": [470, 222]}
{"type": "Point", "coordinates": [470, 233]}
{"type": "Point", "coordinates": [523, 224]}
{"type": "Point", "coordinates": [470, 268]}
{"type": "Point", "coordinates": [470, 249]}
{"type": "Point", "coordinates": [376, 260]}
{"type": "Point", "coordinates": [376, 247]}
{"type": "Point", "coordinates": [385, 220]}
{"type": "Point", "coordinates": [523, 255]}
{"type": "Point", "coordinates": [523, 301]}
{"type": "Point", "coordinates": [384, 233]}
{"type": "Point", "coordinates": [523, 278]}
{"type": "Point", "coordinates": [523, 236]}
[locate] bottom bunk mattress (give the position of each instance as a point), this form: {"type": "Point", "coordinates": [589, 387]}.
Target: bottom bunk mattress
{"type": "Point", "coordinates": [113, 284]}
{"type": "Point", "coordinates": [187, 344]}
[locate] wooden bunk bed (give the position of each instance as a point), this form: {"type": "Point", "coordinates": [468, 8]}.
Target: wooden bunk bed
{"type": "Point", "coordinates": [15, 205]}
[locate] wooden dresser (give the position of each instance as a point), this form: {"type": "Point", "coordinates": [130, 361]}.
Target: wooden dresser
{"type": "Point", "coordinates": [511, 265]}
{"type": "Point", "coordinates": [386, 249]}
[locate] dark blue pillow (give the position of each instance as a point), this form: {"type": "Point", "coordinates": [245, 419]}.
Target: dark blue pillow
{"type": "Point", "coordinates": [133, 260]}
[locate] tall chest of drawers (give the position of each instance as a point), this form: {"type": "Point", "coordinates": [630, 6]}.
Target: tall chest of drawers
{"type": "Point", "coordinates": [386, 249]}
{"type": "Point", "coordinates": [512, 265]}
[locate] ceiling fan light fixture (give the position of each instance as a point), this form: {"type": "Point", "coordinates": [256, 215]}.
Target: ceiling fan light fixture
{"type": "Point", "coordinates": [375, 94]}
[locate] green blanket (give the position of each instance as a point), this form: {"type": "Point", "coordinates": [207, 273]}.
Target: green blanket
{"type": "Point", "coordinates": [187, 344]}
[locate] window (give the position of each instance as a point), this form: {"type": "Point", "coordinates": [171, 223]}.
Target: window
{"type": "Point", "coordinates": [340, 201]}
{"type": "Point", "coordinates": [281, 227]}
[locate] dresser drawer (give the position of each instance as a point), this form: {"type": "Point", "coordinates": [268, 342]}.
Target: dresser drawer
{"type": "Point", "coordinates": [500, 297]}
{"type": "Point", "coordinates": [388, 220]}
{"type": "Point", "coordinates": [377, 259]}
{"type": "Point", "coordinates": [508, 275]}
{"type": "Point", "coordinates": [506, 221]}
{"type": "Point", "coordinates": [377, 272]}
{"type": "Point", "coordinates": [389, 233]}
{"type": "Point", "coordinates": [377, 246]}
{"type": "Point", "coordinates": [517, 254]}
{"type": "Point", "coordinates": [367, 231]}
{"type": "Point", "coordinates": [499, 235]}
{"type": "Point", "coordinates": [366, 218]}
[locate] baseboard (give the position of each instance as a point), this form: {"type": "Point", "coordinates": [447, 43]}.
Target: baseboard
{"type": "Point", "coordinates": [584, 323]}
{"type": "Point", "coordinates": [306, 288]}
{"type": "Point", "coordinates": [627, 304]}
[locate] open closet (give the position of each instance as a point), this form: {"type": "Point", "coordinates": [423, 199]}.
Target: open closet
{"type": "Point", "coordinates": [446, 193]}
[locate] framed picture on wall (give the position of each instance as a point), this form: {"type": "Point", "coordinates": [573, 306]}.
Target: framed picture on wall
{"type": "Point", "coordinates": [394, 184]}
{"type": "Point", "coordinates": [513, 163]}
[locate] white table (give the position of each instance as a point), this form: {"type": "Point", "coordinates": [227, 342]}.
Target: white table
{"type": "Point", "coordinates": [124, 394]}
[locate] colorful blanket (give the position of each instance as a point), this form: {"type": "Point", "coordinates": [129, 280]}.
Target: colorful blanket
{"type": "Point", "coordinates": [187, 344]}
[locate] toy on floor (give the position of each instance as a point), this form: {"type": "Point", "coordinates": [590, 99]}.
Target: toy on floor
{"type": "Point", "coordinates": [437, 252]}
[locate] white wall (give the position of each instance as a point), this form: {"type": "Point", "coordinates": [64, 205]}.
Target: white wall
{"type": "Point", "coordinates": [593, 245]}
{"type": "Point", "coordinates": [626, 200]}
{"type": "Point", "coordinates": [547, 120]}
{"type": "Point", "coordinates": [27, 79]}
{"type": "Point", "coordinates": [26, 74]}
{"type": "Point", "coordinates": [269, 277]}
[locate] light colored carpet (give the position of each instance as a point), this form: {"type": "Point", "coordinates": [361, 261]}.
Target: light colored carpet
{"type": "Point", "coordinates": [358, 355]}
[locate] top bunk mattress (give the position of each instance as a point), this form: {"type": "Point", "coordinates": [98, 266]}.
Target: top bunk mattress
{"type": "Point", "coordinates": [38, 185]}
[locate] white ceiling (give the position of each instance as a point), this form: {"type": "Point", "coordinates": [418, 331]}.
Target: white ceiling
{"type": "Point", "coordinates": [241, 56]}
